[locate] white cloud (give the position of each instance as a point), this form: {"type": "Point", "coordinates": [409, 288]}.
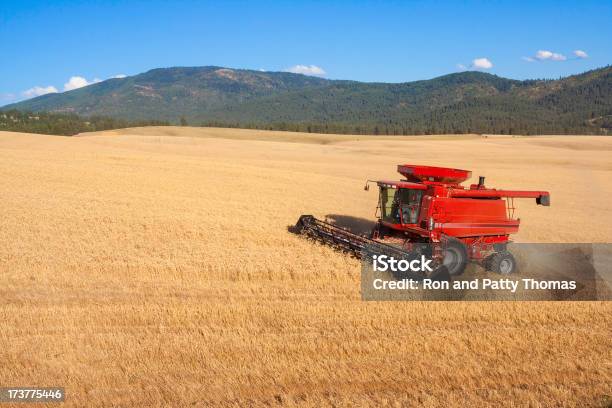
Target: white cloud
{"type": "Point", "coordinates": [39, 90]}
{"type": "Point", "coordinates": [482, 63]}
{"type": "Point", "coordinates": [558, 57]}
{"type": "Point", "coordinates": [306, 70]}
{"type": "Point", "coordinates": [542, 54]}
{"type": "Point", "coordinates": [581, 54]}
{"type": "Point", "coordinates": [546, 55]}
{"type": "Point", "coordinates": [461, 67]}
{"type": "Point", "coordinates": [76, 82]}
{"type": "Point", "coordinates": [549, 55]}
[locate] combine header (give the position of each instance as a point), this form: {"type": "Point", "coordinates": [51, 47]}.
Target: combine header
{"type": "Point", "coordinates": [430, 206]}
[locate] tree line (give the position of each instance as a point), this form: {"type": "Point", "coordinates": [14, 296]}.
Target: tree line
{"type": "Point", "coordinates": [66, 124]}
{"type": "Point", "coordinates": [444, 121]}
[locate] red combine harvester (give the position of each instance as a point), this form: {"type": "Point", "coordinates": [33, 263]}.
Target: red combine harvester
{"type": "Point", "coordinates": [430, 206]}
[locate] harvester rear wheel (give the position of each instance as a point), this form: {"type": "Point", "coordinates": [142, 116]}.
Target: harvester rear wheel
{"type": "Point", "coordinates": [502, 263]}
{"type": "Point", "coordinates": [455, 257]}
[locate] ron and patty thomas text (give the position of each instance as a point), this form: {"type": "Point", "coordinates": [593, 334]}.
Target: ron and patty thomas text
{"type": "Point", "coordinates": [476, 284]}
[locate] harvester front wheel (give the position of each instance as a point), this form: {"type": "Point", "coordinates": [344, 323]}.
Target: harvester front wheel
{"type": "Point", "coordinates": [455, 257]}
{"type": "Point", "coordinates": [502, 263]}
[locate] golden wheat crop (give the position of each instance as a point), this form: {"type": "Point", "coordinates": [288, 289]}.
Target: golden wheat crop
{"type": "Point", "coordinates": [153, 267]}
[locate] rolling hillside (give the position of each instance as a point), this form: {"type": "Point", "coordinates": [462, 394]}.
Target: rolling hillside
{"type": "Point", "coordinates": [457, 103]}
{"type": "Point", "coordinates": [169, 93]}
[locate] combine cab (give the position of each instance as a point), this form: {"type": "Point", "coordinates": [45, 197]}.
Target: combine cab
{"type": "Point", "coordinates": [430, 206]}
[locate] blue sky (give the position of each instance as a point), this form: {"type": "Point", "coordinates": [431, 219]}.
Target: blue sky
{"type": "Point", "coordinates": [45, 43]}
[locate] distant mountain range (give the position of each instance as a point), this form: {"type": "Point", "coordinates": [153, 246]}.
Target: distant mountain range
{"type": "Point", "coordinates": [466, 102]}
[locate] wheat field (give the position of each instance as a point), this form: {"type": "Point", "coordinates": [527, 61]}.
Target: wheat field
{"type": "Point", "coordinates": [153, 267]}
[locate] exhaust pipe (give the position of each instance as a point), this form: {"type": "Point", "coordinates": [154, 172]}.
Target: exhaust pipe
{"type": "Point", "coordinates": [481, 180]}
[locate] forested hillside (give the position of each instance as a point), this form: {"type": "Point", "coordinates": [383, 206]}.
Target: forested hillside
{"type": "Point", "coordinates": [467, 102]}
{"type": "Point", "coordinates": [470, 102]}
